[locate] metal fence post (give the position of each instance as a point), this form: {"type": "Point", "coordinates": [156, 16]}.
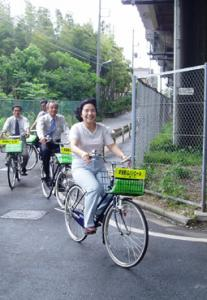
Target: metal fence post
{"type": "Point", "coordinates": [203, 204]}
{"type": "Point", "coordinates": [133, 119]}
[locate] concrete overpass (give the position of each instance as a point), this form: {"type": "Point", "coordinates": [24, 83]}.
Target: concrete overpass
{"type": "Point", "coordinates": [176, 30]}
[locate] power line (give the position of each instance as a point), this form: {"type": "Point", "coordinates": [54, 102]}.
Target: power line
{"type": "Point", "coordinates": [64, 49]}
{"type": "Point", "coordinates": [79, 53]}
{"type": "Point", "coordinates": [73, 50]}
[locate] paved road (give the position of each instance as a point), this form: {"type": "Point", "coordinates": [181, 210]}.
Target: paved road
{"type": "Point", "coordinates": [38, 260]}
{"type": "Point", "coordinates": [117, 122]}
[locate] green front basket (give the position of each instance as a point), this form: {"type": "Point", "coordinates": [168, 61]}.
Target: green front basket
{"type": "Point", "coordinates": [31, 139]}
{"type": "Point", "coordinates": [128, 187]}
{"type": "Point", "coordinates": [14, 148]}
{"type": "Point", "coordinates": [64, 158]}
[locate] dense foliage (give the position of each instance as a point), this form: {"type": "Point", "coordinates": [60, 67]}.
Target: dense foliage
{"type": "Point", "coordinates": [42, 57]}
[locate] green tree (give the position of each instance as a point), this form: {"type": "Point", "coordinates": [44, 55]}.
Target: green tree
{"type": "Point", "coordinates": [30, 90]}
{"type": "Point", "coordinates": [71, 79]}
{"type": "Point", "coordinates": [43, 35]}
{"type": "Point", "coordinates": [116, 77]}
{"type": "Point", "coordinates": [7, 43]}
{"type": "Point", "coordinates": [61, 57]}
{"type": "Point", "coordinates": [20, 36]}
{"type": "Point", "coordinates": [20, 67]}
{"type": "Point", "coordinates": [30, 21]}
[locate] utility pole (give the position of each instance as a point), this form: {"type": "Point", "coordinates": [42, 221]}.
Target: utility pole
{"type": "Point", "coordinates": [98, 58]}
{"type": "Point", "coordinates": [132, 51]}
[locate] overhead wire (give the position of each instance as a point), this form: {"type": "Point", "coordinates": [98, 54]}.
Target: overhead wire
{"type": "Point", "coordinates": [84, 55]}
{"type": "Point", "coordinates": [73, 50]}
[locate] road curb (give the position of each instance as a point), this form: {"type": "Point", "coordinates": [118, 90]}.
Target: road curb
{"type": "Point", "coordinates": [161, 212]}
{"type": "Point", "coordinates": [201, 216]}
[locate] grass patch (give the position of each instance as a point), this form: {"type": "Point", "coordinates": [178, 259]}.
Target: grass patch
{"type": "Point", "coordinates": [171, 169]}
{"type": "Point", "coordinates": [183, 157]}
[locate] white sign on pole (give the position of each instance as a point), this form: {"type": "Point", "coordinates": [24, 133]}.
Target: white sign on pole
{"type": "Point", "coordinates": [186, 91]}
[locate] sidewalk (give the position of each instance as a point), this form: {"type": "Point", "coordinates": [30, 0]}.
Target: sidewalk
{"type": "Point", "coordinates": [120, 121]}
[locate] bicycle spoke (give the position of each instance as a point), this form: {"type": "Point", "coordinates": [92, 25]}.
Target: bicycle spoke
{"type": "Point", "coordinates": [33, 157]}
{"type": "Point", "coordinates": [11, 172]}
{"type": "Point", "coordinates": [73, 212]}
{"type": "Point", "coordinates": [126, 234]}
{"type": "Point", "coordinates": [63, 183]}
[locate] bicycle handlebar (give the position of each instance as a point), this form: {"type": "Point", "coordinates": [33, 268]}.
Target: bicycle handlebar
{"type": "Point", "coordinates": [49, 139]}
{"type": "Point", "coordinates": [94, 154]}
{"type": "Point", "coordinates": [127, 159]}
{"type": "Point", "coordinates": [33, 131]}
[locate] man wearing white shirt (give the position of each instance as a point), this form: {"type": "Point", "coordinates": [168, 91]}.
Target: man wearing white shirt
{"type": "Point", "coordinates": [17, 125]}
{"type": "Point", "coordinates": [43, 105]}
{"type": "Point", "coordinates": [49, 129]}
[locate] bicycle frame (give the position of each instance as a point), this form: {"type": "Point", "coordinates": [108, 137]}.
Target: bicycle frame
{"type": "Point", "coordinates": [54, 176]}
{"type": "Point", "coordinates": [124, 225]}
{"type": "Point", "coordinates": [13, 150]}
{"type": "Point", "coordinates": [56, 169]}
{"type": "Point", "coordinates": [56, 172]}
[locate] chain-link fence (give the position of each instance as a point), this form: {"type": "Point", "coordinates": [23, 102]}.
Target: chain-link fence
{"type": "Point", "coordinates": [169, 136]}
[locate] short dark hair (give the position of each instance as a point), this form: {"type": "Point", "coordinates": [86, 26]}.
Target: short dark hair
{"type": "Point", "coordinates": [79, 109]}
{"type": "Point", "coordinates": [16, 105]}
{"type": "Point", "coordinates": [43, 101]}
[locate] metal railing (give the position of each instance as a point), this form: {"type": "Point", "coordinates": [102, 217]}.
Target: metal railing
{"type": "Point", "coordinates": [121, 131]}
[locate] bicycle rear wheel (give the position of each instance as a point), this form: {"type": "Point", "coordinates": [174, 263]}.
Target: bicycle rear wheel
{"type": "Point", "coordinates": [33, 157]}
{"type": "Point", "coordinates": [12, 172]}
{"type": "Point", "coordinates": [74, 206]}
{"type": "Point", "coordinates": [63, 183]}
{"type": "Point", "coordinates": [126, 233]}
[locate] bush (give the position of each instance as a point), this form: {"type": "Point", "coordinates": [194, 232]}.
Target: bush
{"type": "Point", "coordinates": [2, 120]}
{"type": "Point", "coordinates": [112, 108]}
{"type": "Point", "coordinates": [175, 157]}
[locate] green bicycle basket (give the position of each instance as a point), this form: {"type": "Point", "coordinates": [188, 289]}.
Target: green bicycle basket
{"type": "Point", "coordinates": [128, 187]}
{"type": "Point", "coordinates": [14, 148]}
{"type": "Point", "coordinates": [31, 139]}
{"type": "Point", "coordinates": [128, 182]}
{"type": "Point", "coordinates": [64, 158]}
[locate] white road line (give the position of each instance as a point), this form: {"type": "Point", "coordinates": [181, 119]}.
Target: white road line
{"type": "Point", "coordinates": [3, 169]}
{"type": "Point", "coordinates": [62, 210]}
{"type": "Point", "coordinates": [178, 237]}
{"type": "Point", "coordinates": [165, 235]}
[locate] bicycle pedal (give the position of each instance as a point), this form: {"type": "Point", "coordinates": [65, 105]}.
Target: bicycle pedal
{"type": "Point", "coordinates": [98, 224]}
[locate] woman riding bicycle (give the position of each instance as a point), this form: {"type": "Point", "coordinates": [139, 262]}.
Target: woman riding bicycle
{"type": "Point", "coordinates": [85, 137]}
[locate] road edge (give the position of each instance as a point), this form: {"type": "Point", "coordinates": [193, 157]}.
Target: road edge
{"type": "Point", "coordinates": [163, 213]}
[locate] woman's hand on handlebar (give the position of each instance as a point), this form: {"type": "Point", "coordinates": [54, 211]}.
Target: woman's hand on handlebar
{"type": "Point", "coordinates": [126, 159]}
{"type": "Point", "coordinates": [86, 157]}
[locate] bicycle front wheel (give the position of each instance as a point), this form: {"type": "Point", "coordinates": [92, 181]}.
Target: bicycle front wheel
{"type": "Point", "coordinates": [63, 183]}
{"type": "Point", "coordinates": [12, 172]}
{"type": "Point", "coordinates": [33, 157]}
{"type": "Point", "coordinates": [46, 188]}
{"type": "Point", "coordinates": [74, 206]}
{"type": "Point", "coordinates": [126, 233]}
